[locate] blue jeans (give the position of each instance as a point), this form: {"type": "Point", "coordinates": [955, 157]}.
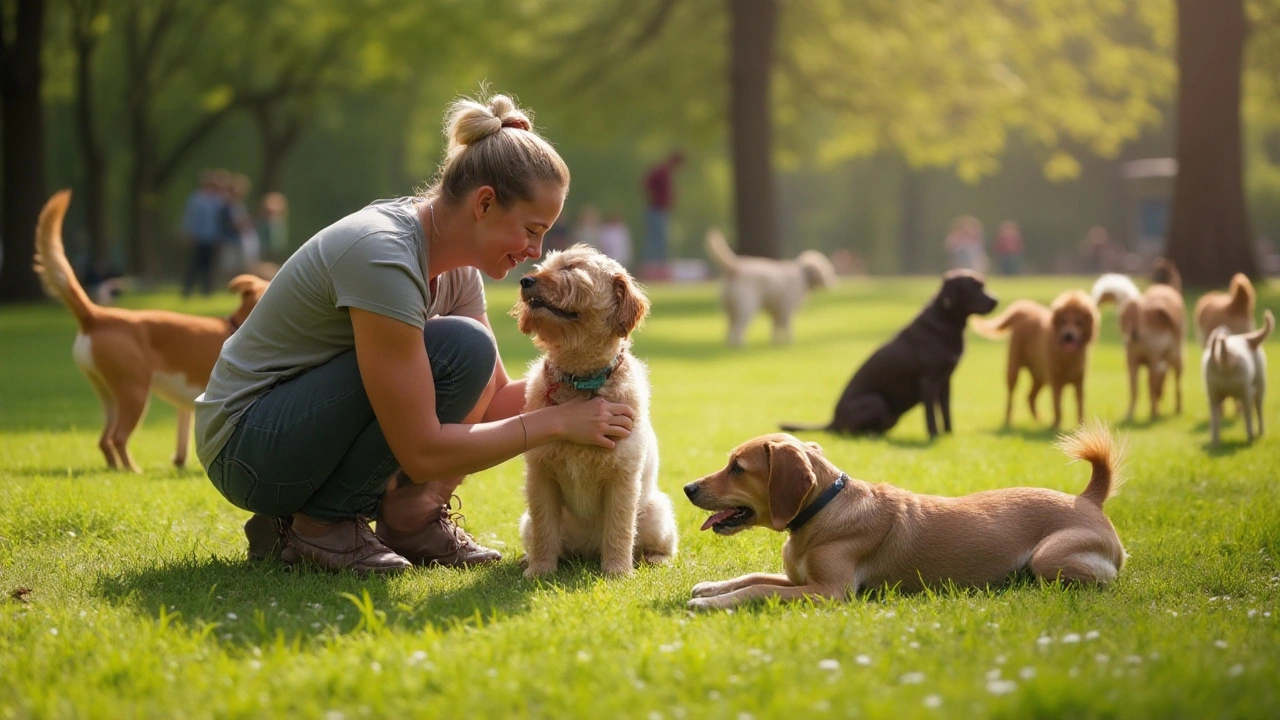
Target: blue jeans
{"type": "Point", "coordinates": [312, 444]}
{"type": "Point", "coordinates": [655, 239]}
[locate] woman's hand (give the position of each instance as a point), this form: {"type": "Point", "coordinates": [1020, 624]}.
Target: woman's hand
{"type": "Point", "coordinates": [594, 422]}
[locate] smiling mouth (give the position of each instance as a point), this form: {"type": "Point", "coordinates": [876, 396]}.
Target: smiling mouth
{"type": "Point", "coordinates": [1070, 343]}
{"type": "Point", "coordinates": [536, 304]}
{"type": "Point", "coordinates": [727, 522]}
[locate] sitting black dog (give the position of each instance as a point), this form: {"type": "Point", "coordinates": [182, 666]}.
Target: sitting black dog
{"type": "Point", "coordinates": [915, 365]}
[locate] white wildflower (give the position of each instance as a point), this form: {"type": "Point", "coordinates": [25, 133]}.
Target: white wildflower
{"type": "Point", "coordinates": [1027, 673]}
{"type": "Point", "coordinates": [863, 659]}
{"type": "Point", "coordinates": [1091, 635]}
{"type": "Point", "coordinates": [1102, 658]}
{"type": "Point", "coordinates": [1220, 644]}
{"type": "Point", "coordinates": [912, 678]}
{"type": "Point", "coordinates": [1070, 638]}
{"type": "Point", "coordinates": [1236, 670]}
{"type": "Point", "coordinates": [829, 664]}
{"type": "Point", "coordinates": [933, 701]}
{"type": "Point", "coordinates": [1001, 687]}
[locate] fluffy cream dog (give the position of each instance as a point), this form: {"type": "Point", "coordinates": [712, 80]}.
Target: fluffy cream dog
{"type": "Point", "coordinates": [777, 286]}
{"type": "Point", "coordinates": [580, 308]}
{"type": "Point", "coordinates": [848, 535]}
{"type": "Point", "coordinates": [1234, 366]}
{"type": "Point", "coordinates": [1152, 323]}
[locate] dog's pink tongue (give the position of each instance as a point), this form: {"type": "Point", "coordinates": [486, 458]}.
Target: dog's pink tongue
{"type": "Point", "coordinates": [711, 521]}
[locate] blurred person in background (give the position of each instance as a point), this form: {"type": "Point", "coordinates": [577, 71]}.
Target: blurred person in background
{"type": "Point", "coordinates": [1009, 248]}
{"type": "Point", "coordinates": [615, 239]}
{"type": "Point", "coordinates": [273, 225]}
{"type": "Point", "coordinates": [243, 233]}
{"type": "Point", "coordinates": [587, 229]}
{"type": "Point", "coordinates": [966, 245]}
{"type": "Point", "coordinates": [659, 197]}
{"type": "Point", "coordinates": [1096, 251]}
{"type": "Point", "coordinates": [202, 230]}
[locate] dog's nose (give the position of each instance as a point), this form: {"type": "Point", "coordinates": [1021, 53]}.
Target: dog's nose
{"type": "Point", "coordinates": [528, 281]}
{"type": "Point", "coordinates": [691, 489]}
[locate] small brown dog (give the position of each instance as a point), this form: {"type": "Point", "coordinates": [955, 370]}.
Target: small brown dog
{"type": "Point", "coordinates": [1052, 343]}
{"type": "Point", "coordinates": [1233, 309]}
{"type": "Point", "coordinates": [848, 535]}
{"type": "Point", "coordinates": [126, 354]}
{"type": "Point", "coordinates": [581, 307]}
{"type": "Point", "coordinates": [1154, 325]}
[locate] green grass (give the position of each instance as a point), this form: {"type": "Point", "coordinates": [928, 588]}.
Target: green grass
{"type": "Point", "coordinates": [142, 605]}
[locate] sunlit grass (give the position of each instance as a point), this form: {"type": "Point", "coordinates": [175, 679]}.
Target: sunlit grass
{"type": "Point", "coordinates": [141, 603]}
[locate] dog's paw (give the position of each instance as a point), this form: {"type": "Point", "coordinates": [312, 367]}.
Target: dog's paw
{"type": "Point", "coordinates": [705, 590]}
{"type": "Point", "coordinates": [616, 569]}
{"type": "Point", "coordinates": [658, 557]}
{"type": "Point", "coordinates": [703, 603]}
{"type": "Point", "coordinates": [538, 569]}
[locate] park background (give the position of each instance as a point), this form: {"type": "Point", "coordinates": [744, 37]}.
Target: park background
{"type": "Point", "coordinates": [827, 124]}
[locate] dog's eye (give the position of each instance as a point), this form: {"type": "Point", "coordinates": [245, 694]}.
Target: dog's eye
{"type": "Point", "coordinates": [735, 468]}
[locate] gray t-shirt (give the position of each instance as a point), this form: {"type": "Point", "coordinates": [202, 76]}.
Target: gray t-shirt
{"type": "Point", "coordinates": [375, 260]}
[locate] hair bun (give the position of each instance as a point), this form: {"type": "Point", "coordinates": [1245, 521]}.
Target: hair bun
{"type": "Point", "coordinates": [470, 121]}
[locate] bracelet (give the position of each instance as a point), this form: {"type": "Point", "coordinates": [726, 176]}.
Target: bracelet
{"type": "Point", "coordinates": [525, 429]}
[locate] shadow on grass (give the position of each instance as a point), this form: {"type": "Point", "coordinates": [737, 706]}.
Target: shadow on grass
{"type": "Point", "coordinates": [1225, 448]}
{"type": "Point", "coordinates": [1045, 433]}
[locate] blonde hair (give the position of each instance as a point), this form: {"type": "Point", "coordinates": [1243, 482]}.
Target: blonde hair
{"type": "Point", "coordinates": [492, 142]}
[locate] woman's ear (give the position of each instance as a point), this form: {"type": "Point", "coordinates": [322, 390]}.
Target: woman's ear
{"type": "Point", "coordinates": [790, 480]}
{"type": "Point", "coordinates": [485, 200]}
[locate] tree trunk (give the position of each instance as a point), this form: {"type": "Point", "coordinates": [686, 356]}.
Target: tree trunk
{"type": "Point", "coordinates": [911, 259]}
{"type": "Point", "coordinates": [753, 30]}
{"type": "Point", "coordinates": [22, 125]}
{"type": "Point", "coordinates": [1209, 237]}
{"type": "Point", "coordinates": [142, 255]}
{"type": "Point", "coordinates": [95, 166]}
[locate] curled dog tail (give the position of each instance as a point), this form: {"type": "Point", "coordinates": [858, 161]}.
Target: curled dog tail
{"type": "Point", "coordinates": [1164, 271]}
{"type": "Point", "coordinates": [997, 327]}
{"type": "Point", "coordinates": [1094, 443]}
{"type": "Point", "coordinates": [1242, 295]}
{"type": "Point", "coordinates": [56, 275]}
{"type": "Point", "coordinates": [1217, 343]}
{"type": "Point", "coordinates": [1116, 288]}
{"type": "Point", "coordinates": [719, 251]}
{"type": "Point", "coordinates": [1256, 337]}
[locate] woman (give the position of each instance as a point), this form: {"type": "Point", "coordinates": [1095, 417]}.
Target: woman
{"type": "Point", "coordinates": [366, 383]}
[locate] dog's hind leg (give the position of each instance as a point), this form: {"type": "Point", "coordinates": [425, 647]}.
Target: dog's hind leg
{"type": "Point", "coordinates": [656, 529]}
{"type": "Point", "coordinates": [740, 307]}
{"type": "Point", "coordinates": [1215, 418]}
{"type": "Point", "coordinates": [1032, 395]}
{"type": "Point", "coordinates": [1248, 405]}
{"type": "Point", "coordinates": [184, 438]}
{"type": "Point", "coordinates": [1177, 383]}
{"type": "Point", "coordinates": [1076, 555]}
{"type": "Point", "coordinates": [1155, 386]}
{"type": "Point", "coordinates": [131, 405]}
{"type": "Point", "coordinates": [863, 413]}
{"type": "Point", "coordinates": [1133, 389]}
{"type": "Point", "coordinates": [108, 419]}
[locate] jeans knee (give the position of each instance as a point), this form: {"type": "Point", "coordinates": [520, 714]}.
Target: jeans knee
{"type": "Point", "coordinates": [463, 356]}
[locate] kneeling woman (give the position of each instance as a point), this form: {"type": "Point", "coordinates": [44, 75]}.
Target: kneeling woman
{"type": "Point", "coordinates": [367, 383]}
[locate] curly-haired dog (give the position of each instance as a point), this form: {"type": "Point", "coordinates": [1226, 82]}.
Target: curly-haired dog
{"type": "Point", "coordinates": [127, 354]}
{"type": "Point", "coordinates": [580, 308]}
{"type": "Point", "coordinates": [1052, 343]}
{"type": "Point", "coordinates": [777, 286]}
{"type": "Point", "coordinates": [915, 366]}
{"type": "Point", "coordinates": [1234, 366]}
{"type": "Point", "coordinates": [1153, 326]}
{"type": "Point", "coordinates": [848, 535]}
{"type": "Point", "coordinates": [1232, 309]}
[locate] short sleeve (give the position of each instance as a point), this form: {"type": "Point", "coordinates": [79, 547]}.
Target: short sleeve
{"type": "Point", "coordinates": [380, 273]}
{"type": "Point", "coordinates": [469, 294]}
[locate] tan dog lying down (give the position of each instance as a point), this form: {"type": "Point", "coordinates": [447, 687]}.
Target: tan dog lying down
{"type": "Point", "coordinates": [128, 354]}
{"type": "Point", "coordinates": [587, 501]}
{"type": "Point", "coordinates": [848, 535]}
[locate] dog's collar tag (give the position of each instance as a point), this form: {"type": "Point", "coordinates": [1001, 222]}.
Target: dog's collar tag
{"type": "Point", "coordinates": [827, 496]}
{"type": "Point", "coordinates": [595, 380]}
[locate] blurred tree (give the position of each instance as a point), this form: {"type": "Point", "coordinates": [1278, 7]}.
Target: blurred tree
{"type": "Point", "coordinates": [1209, 235]}
{"type": "Point", "coordinates": [941, 82]}
{"type": "Point", "coordinates": [88, 23]}
{"type": "Point", "coordinates": [162, 38]}
{"type": "Point", "coordinates": [22, 125]}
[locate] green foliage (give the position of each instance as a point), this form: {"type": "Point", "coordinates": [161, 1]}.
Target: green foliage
{"type": "Point", "coordinates": [142, 604]}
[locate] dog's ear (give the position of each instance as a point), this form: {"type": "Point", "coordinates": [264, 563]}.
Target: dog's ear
{"type": "Point", "coordinates": [790, 480]}
{"type": "Point", "coordinates": [948, 295]}
{"type": "Point", "coordinates": [630, 305]}
{"type": "Point", "coordinates": [814, 447]}
{"type": "Point", "coordinates": [247, 286]}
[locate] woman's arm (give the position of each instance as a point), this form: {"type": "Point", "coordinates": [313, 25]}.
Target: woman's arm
{"type": "Point", "coordinates": [396, 374]}
{"type": "Point", "coordinates": [504, 397]}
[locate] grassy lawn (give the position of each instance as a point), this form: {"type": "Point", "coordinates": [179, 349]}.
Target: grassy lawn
{"type": "Point", "coordinates": [142, 604]}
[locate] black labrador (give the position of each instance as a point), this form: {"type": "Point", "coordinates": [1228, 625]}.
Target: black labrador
{"type": "Point", "coordinates": [915, 365]}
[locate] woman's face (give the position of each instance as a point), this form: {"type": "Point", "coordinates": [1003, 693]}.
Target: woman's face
{"type": "Point", "coordinates": [506, 237]}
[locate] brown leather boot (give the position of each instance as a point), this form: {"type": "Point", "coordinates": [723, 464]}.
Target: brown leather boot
{"type": "Point", "coordinates": [268, 539]}
{"type": "Point", "coordinates": [440, 542]}
{"type": "Point", "coordinates": [348, 545]}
